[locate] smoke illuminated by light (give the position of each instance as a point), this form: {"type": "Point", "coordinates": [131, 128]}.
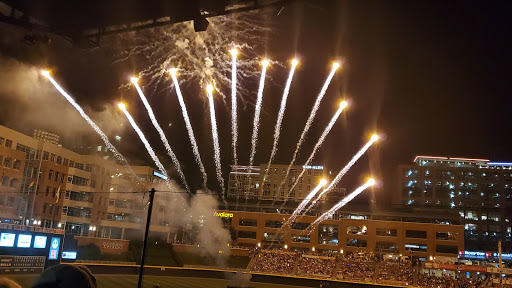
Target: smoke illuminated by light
{"type": "Point", "coordinates": [280, 116]}
{"type": "Point", "coordinates": [215, 136]}
{"type": "Point", "coordinates": [152, 117]}
{"type": "Point", "coordinates": [193, 142]}
{"type": "Point", "coordinates": [309, 122]}
{"type": "Point", "coordinates": [340, 204]}
{"type": "Point", "coordinates": [152, 154]}
{"type": "Point", "coordinates": [319, 143]}
{"type": "Point", "coordinates": [257, 111]}
{"type": "Point", "coordinates": [234, 120]}
{"type": "Point", "coordinates": [345, 169]}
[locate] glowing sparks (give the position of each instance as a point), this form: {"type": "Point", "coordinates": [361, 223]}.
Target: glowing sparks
{"type": "Point", "coordinates": [257, 112]}
{"type": "Point", "coordinates": [347, 167]}
{"type": "Point", "coordinates": [340, 204]}
{"type": "Point", "coordinates": [304, 202]}
{"type": "Point", "coordinates": [97, 129]}
{"type": "Point", "coordinates": [317, 146]}
{"type": "Point", "coordinates": [280, 116]}
{"type": "Point", "coordinates": [193, 142]}
{"type": "Point", "coordinates": [309, 122]}
{"type": "Point", "coordinates": [161, 133]}
{"type": "Point", "coordinates": [146, 144]}
{"type": "Point", "coordinates": [134, 80]}
{"type": "Point", "coordinates": [234, 121]}
{"type": "Point", "coordinates": [215, 136]}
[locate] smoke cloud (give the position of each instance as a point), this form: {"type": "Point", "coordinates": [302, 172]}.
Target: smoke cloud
{"type": "Point", "coordinates": [29, 101]}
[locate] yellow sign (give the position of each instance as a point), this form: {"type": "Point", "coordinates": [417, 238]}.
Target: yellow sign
{"type": "Point", "coordinates": [223, 214]}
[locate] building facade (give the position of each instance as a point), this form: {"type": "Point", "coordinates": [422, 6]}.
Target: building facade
{"type": "Point", "coordinates": [246, 182]}
{"type": "Point", "coordinates": [419, 240]}
{"type": "Point", "coordinates": [46, 185]}
{"type": "Point", "coordinates": [479, 190]}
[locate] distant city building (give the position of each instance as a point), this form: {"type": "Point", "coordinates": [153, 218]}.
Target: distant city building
{"type": "Point", "coordinates": [46, 136]}
{"type": "Point", "coordinates": [43, 184]}
{"type": "Point", "coordinates": [479, 190]}
{"type": "Point", "coordinates": [246, 182]}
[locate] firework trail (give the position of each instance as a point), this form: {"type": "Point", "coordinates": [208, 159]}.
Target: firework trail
{"type": "Point", "coordinates": [257, 111]}
{"type": "Point", "coordinates": [340, 204]}
{"type": "Point", "coordinates": [304, 202]}
{"type": "Point", "coordinates": [345, 169]}
{"type": "Point", "coordinates": [97, 129]}
{"type": "Point", "coordinates": [161, 133]}
{"type": "Point", "coordinates": [321, 140]}
{"type": "Point", "coordinates": [146, 144]}
{"type": "Point", "coordinates": [280, 116]}
{"type": "Point", "coordinates": [195, 148]}
{"type": "Point", "coordinates": [234, 123]}
{"type": "Point", "coordinates": [215, 136]}
{"type": "Point", "coordinates": [312, 115]}
{"type": "Point", "coordinates": [154, 51]}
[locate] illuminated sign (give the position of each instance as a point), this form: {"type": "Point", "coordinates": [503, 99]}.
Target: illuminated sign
{"type": "Point", "coordinates": [223, 214]}
{"type": "Point", "coordinates": [7, 239]}
{"type": "Point", "coordinates": [474, 254]}
{"type": "Point", "coordinates": [40, 242]}
{"type": "Point", "coordinates": [24, 241]}
{"type": "Point", "coordinates": [69, 255]}
{"type": "Point", "coordinates": [313, 167]}
{"type": "Point", "coordinates": [54, 248]}
{"type": "Point", "coordinates": [159, 175]}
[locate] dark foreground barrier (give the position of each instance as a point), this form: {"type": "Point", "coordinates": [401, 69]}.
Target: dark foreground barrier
{"type": "Point", "coordinates": [221, 274]}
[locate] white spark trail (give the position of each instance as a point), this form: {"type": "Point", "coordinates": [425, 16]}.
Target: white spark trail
{"type": "Point", "coordinates": [280, 117]}
{"type": "Point", "coordinates": [311, 117]}
{"type": "Point", "coordinates": [97, 129]}
{"type": "Point", "coordinates": [146, 144]}
{"type": "Point", "coordinates": [345, 169]}
{"type": "Point", "coordinates": [215, 136]}
{"type": "Point", "coordinates": [317, 146]}
{"type": "Point", "coordinates": [303, 204]}
{"type": "Point", "coordinates": [257, 112]}
{"type": "Point", "coordinates": [174, 159]}
{"type": "Point", "coordinates": [193, 142]}
{"type": "Point", "coordinates": [234, 124]}
{"type": "Point", "coordinates": [340, 204]}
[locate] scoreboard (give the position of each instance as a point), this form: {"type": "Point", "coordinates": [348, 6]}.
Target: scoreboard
{"type": "Point", "coordinates": [10, 264]}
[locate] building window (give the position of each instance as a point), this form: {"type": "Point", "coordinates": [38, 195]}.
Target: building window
{"type": "Point", "coordinates": [52, 157]}
{"type": "Point", "coordinates": [358, 230]}
{"type": "Point", "coordinates": [10, 200]}
{"type": "Point", "coordinates": [17, 164]}
{"type": "Point", "coordinates": [301, 239]}
{"type": "Point", "coordinates": [385, 232]}
{"type": "Point", "coordinates": [328, 234]}
{"type": "Point", "coordinates": [357, 243]}
{"type": "Point", "coordinates": [447, 249]}
{"type": "Point", "coordinates": [248, 222]}
{"type": "Point", "coordinates": [247, 234]}
{"type": "Point", "coordinates": [50, 174]}
{"type": "Point", "coordinates": [8, 143]}
{"type": "Point", "coordinates": [273, 224]}
{"type": "Point", "coordinates": [47, 191]}
{"type": "Point", "coordinates": [5, 180]}
{"type": "Point", "coordinates": [385, 246]}
{"type": "Point", "coordinates": [56, 176]}
{"type": "Point", "coordinates": [416, 247]}
{"type": "Point", "coordinates": [59, 160]}
{"type": "Point", "coordinates": [300, 226]}
{"type": "Point", "coordinates": [272, 237]}
{"type": "Point", "coordinates": [66, 161]}
{"type": "Point", "coordinates": [7, 162]}
{"type": "Point", "coordinates": [14, 182]}
{"type": "Point", "coordinates": [46, 155]}
{"type": "Point", "coordinates": [445, 236]}
{"type": "Point", "coordinates": [415, 234]}
{"type": "Point", "coordinates": [45, 206]}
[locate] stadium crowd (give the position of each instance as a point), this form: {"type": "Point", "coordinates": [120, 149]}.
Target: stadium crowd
{"type": "Point", "coordinates": [273, 262]}
{"type": "Point", "coordinates": [398, 271]}
{"type": "Point", "coordinates": [359, 267]}
{"type": "Point", "coordinates": [316, 265]}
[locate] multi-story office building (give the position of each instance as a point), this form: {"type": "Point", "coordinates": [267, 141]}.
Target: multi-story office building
{"type": "Point", "coordinates": [46, 185]}
{"type": "Point", "coordinates": [479, 190]}
{"type": "Point", "coordinates": [418, 240]}
{"type": "Point", "coordinates": [245, 182]}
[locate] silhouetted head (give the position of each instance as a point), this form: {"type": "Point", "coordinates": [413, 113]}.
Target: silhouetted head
{"type": "Point", "coordinates": [66, 276]}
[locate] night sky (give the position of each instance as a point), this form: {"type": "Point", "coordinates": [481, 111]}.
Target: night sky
{"type": "Point", "coordinates": [431, 76]}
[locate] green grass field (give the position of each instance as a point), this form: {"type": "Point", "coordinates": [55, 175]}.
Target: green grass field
{"type": "Point", "coordinates": [129, 281]}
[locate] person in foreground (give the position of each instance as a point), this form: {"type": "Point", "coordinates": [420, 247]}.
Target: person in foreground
{"type": "Point", "coordinates": [64, 276]}
{"type": "Point", "coordinates": [6, 283]}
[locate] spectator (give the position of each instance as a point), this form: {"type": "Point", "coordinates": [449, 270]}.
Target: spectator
{"type": "Point", "coordinates": [7, 283]}
{"type": "Point", "coordinates": [66, 276]}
